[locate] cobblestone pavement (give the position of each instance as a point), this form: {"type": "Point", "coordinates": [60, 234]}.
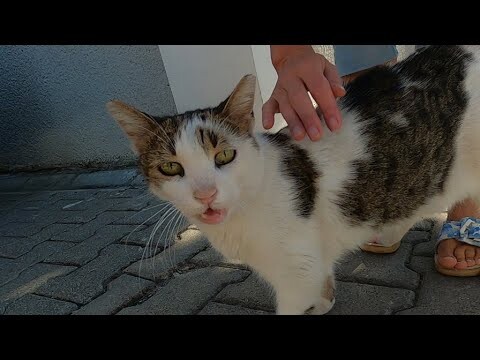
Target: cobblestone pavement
{"type": "Point", "coordinates": [87, 251]}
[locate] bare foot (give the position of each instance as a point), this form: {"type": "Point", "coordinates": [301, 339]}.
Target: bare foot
{"type": "Point", "coordinates": [453, 254]}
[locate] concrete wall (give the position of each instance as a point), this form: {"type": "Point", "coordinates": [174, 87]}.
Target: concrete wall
{"type": "Point", "coordinates": [52, 101]}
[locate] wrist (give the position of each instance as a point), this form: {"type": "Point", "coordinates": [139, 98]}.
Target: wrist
{"type": "Point", "coordinates": [279, 53]}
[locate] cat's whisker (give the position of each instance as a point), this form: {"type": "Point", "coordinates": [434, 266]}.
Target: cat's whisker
{"type": "Point", "coordinates": [163, 230]}
{"type": "Point", "coordinates": [176, 229]}
{"type": "Point", "coordinates": [147, 246]}
{"type": "Point", "coordinates": [157, 226]}
{"type": "Point", "coordinates": [128, 237]}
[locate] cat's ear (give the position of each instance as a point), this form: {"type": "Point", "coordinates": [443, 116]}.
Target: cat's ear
{"type": "Point", "coordinates": [133, 122]}
{"type": "Point", "coordinates": [238, 107]}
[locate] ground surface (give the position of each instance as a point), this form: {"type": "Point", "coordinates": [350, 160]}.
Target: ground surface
{"type": "Point", "coordinates": [84, 251]}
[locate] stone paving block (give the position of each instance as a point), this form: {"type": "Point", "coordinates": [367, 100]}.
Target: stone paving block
{"type": "Point", "coordinates": [34, 205]}
{"type": "Point", "coordinates": [30, 280]}
{"type": "Point", "coordinates": [79, 217]}
{"type": "Point", "coordinates": [86, 283]}
{"type": "Point", "coordinates": [379, 269]}
{"type": "Point", "coordinates": [10, 183]}
{"type": "Point", "coordinates": [443, 295]}
{"type": "Point", "coordinates": [211, 257]}
{"type": "Point", "coordinates": [55, 231]}
{"type": "Point", "coordinates": [425, 249]}
{"type": "Point", "coordinates": [141, 237]}
{"type": "Point", "coordinates": [49, 182]}
{"type": "Point", "coordinates": [134, 204]}
{"type": "Point", "coordinates": [252, 293]}
{"type": "Point", "coordinates": [89, 229]}
{"type": "Point", "coordinates": [116, 193]}
{"type": "Point", "coordinates": [364, 299]}
{"type": "Point", "coordinates": [36, 255]}
{"type": "Point", "coordinates": [19, 216]}
{"type": "Point", "coordinates": [101, 204]}
{"type": "Point", "coordinates": [74, 205]}
{"type": "Point", "coordinates": [13, 247]}
{"type": "Point", "coordinates": [214, 308]}
{"type": "Point", "coordinates": [120, 292]}
{"type": "Point", "coordinates": [6, 266]}
{"type": "Point", "coordinates": [428, 248]}
{"type": "Point", "coordinates": [14, 196]}
{"type": "Point", "coordinates": [71, 195]}
{"type": "Point", "coordinates": [40, 217]}
{"type": "Point", "coordinates": [41, 196]}
{"type": "Point", "coordinates": [139, 181]}
{"type": "Point", "coordinates": [6, 205]}
{"type": "Point", "coordinates": [136, 193]}
{"type": "Point", "coordinates": [416, 237]}
{"type": "Point", "coordinates": [147, 216]}
{"type": "Point", "coordinates": [187, 293]}
{"type": "Point", "coordinates": [424, 225]}
{"type": "Point", "coordinates": [38, 305]}
{"type": "Point", "coordinates": [87, 250]}
{"type": "Point", "coordinates": [20, 229]}
{"type": "Point", "coordinates": [108, 178]}
{"type": "Point", "coordinates": [191, 243]}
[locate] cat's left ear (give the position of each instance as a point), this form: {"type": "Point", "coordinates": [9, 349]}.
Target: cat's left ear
{"type": "Point", "coordinates": [238, 107]}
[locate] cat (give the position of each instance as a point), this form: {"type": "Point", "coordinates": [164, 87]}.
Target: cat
{"type": "Point", "coordinates": [408, 148]}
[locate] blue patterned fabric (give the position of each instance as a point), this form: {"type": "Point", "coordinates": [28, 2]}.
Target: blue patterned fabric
{"type": "Point", "coordinates": [466, 230]}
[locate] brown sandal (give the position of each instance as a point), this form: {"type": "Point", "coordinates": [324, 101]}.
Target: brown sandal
{"type": "Point", "coordinates": [380, 249]}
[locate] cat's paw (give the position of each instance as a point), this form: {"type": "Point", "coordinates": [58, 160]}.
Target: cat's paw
{"type": "Point", "coordinates": [321, 308]}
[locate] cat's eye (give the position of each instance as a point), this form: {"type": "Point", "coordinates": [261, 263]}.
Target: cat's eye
{"type": "Point", "coordinates": [224, 157]}
{"type": "Point", "coordinates": [171, 169]}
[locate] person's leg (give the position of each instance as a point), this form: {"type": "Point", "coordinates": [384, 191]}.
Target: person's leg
{"type": "Point", "coordinates": [453, 254]}
{"type": "Point", "coordinates": [352, 60]}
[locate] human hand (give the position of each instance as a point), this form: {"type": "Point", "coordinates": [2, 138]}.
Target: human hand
{"type": "Point", "coordinates": [299, 70]}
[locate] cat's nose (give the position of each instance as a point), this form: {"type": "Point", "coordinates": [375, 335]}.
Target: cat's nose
{"type": "Point", "coordinates": [205, 196]}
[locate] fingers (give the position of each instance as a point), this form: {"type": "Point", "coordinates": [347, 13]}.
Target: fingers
{"type": "Point", "coordinates": [294, 123]}
{"type": "Point", "coordinates": [298, 75]}
{"type": "Point", "coordinates": [335, 80]}
{"type": "Point", "coordinates": [322, 93]}
{"type": "Point", "coordinates": [272, 106]}
{"type": "Point", "coordinates": [269, 109]}
{"type": "Point", "coordinates": [302, 105]}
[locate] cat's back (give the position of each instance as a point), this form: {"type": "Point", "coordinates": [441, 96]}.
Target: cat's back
{"type": "Point", "coordinates": [409, 118]}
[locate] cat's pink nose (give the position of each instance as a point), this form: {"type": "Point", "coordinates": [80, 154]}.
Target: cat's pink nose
{"type": "Point", "coordinates": [205, 196]}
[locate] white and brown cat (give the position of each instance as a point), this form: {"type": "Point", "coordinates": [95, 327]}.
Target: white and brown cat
{"type": "Point", "coordinates": [409, 147]}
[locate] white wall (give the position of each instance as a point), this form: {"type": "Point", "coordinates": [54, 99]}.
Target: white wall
{"type": "Point", "coordinates": [203, 75]}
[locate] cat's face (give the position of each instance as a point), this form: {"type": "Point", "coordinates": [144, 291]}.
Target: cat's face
{"type": "Point", "coordinates": [202, 161]}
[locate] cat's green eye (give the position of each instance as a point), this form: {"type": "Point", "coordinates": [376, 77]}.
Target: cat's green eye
{"type": "Point", "coordinates": [171, 169]}
{"type": "Point", "coordinates": [224, 157]}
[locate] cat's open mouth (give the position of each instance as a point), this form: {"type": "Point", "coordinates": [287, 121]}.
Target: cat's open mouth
{"type": "Point", "coordinates": [211, 216]}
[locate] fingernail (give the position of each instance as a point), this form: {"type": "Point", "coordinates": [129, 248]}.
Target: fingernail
{"type": "Point", "coordinates": [314, 133]}
{"type": "Point", "coordinates": [297, 132]}
{"type": "Point", "coordinates": [333, 121]}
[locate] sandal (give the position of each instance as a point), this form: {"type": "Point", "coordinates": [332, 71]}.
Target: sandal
{"type": "Point", "coordinates": [376, 248]}
{"type": "Point", "coordinates": [466, 230]}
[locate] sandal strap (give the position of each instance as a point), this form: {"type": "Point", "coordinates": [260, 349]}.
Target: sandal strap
{"type": "Point", "coordinates": [466, 230]}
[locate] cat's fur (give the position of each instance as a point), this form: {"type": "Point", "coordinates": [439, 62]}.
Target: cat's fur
{"type": "Point", "coordinates": [409, 147]}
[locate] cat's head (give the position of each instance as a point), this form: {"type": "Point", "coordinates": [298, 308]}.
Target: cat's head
{"type": "Point", "coordinates": [205, 161]}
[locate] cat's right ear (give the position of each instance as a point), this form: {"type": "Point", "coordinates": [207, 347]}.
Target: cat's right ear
{"type": "Point", "coordinates": [238, 107]}
{"type": "Point", "coordinates": [134, 123]}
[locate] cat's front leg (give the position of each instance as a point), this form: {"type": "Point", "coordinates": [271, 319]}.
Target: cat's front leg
{"type": "Point", "coordinates": [313, 295]}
